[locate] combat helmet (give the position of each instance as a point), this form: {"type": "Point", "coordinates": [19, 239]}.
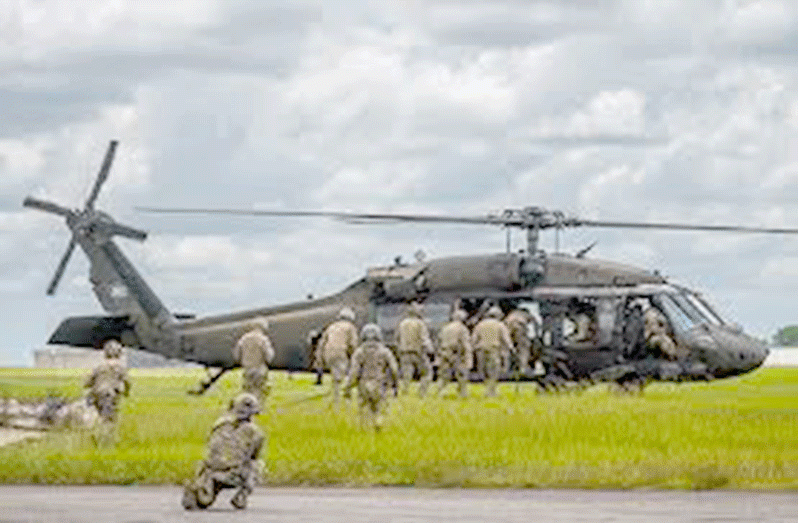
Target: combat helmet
{"type": "Point", "coordinates": [244, 406]}
{"type": "Point", "coordinates": [112, 349]}
{"type": "Point", "coordinates": [260, 323]}
{"type": "Point", "coordinates": [371, 332]}
{"type": "Point", "coordinates": [459, 315]}
{"type": "Point", "coordinates": [346, 313]}
{"type": "Point", "coordinates": [414, 309]}
{"type": "Point", "coordinates": [495, 312]}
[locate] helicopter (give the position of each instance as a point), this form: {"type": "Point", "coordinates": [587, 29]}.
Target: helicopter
{"type": "Point", "coordinates": [555, 288]}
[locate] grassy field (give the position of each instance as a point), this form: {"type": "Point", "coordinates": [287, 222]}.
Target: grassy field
{"type": "Point", "coordinates": [738, 433]}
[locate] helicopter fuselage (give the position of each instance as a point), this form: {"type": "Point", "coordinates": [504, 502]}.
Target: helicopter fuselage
{"type": "Point", "coordinates": [553, 288]}
{"type": "Point", "coordinates": [586, 313]}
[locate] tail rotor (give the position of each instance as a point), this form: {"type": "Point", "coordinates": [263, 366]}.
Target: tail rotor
{"type": "Point", "coordinates": [87, 225]}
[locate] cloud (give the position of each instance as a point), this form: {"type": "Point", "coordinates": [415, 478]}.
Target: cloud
{"type": "Point", "coordinates": [19, 160]}
{"type": "Point", "coordinates": [173, 253]}
{"type": "Point", "coordinates": [662, 111]}
{"type": "Point", "coordinates": [32, 29]}
{"type": "Point", "coordinates": [610, 114]}
{"type": "Point", "coordinates": [762, 20]}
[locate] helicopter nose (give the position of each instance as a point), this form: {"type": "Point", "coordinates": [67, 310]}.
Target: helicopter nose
{"type": "Point", "coordinates": [752, 355]}
{"type": "Point", "coordinates": [761, 353]}
{"type": "Point", "coordinates": [728, 352]}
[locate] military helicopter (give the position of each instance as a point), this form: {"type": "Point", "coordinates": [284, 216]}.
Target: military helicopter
{"type": "Point", "coordinates": [555, 288]}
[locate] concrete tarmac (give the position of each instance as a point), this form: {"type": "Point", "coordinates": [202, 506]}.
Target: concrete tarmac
{"type": "Point", "coordinates": [402, 505]}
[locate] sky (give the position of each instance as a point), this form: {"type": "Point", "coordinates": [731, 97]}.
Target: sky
{"type": "Point", "coordinates": [632, 110]}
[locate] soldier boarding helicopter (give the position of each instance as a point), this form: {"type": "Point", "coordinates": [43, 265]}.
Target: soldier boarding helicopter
{"type": "Point", "coordinates": [555, 288]}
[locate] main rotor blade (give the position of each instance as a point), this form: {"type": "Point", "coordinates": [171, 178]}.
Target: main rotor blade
{"type": "Point", "coordinates": [687, 227]}
{"type": "Point", "coordinates": [544, 221]}
{"type": "Point", "coordinates": [103, 174]}
{"type": "Point", "coordinates": [123, 230]}
{"type": "Point", "coordinates": [59, 271]}
{"type": "Point", "coordinates": [345, 216]}
{"type": "Point", "coordinates": [42, 205]}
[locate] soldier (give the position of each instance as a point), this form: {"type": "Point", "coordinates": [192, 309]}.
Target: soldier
{"type": "Point", "coordinates": [517, 321]}
{"type": "Point", "coordinates": [254, 352]}
{"type": "Point", "coordinates": [455, 353]}
{"type": "Point", "coordinates": [233, 448]}
{"type": "Point", "coordinates": [489, 338]}
{"type": "Point", "coordinates": [658, 341]}
{"type": "Point", "coordinates": [414, 346]}
{"type": "Point", "coordinates": [337, 344]}
{"type": "Point", "coordinates": [372, 363]}
{"type": "Point", "coordinates": [107, 382]}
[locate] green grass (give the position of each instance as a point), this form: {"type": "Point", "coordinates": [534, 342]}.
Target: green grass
{"type": "Point", "coordinates": [737, 433]}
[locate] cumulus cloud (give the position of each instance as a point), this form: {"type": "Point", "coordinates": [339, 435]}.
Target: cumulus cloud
{"type": "Point", "coordinates": [33, 29]}
{"type": "Point", "coordinates": [614, 114]}
{"type": "Point", "coordinates": [664, 111]}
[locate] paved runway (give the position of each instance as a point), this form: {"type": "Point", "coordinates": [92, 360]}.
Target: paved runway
{"type": "Point", "coordinates": [401, 505]}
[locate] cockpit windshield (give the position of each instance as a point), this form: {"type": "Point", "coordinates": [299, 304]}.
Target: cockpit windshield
{"type": "Point", "coordinates": [689, 308]}
{"type": "Point", "coordinates": [709, 312]}
{"type": "Point", "coordinates": [683, 312]}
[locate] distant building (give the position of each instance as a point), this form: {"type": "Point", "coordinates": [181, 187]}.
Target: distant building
{"type": "Point", "coordinates": [67, 358]}
{"type": "Point", "coordinates": [78, 358]}
{"type": "Point", "coordinates": [782, 357]}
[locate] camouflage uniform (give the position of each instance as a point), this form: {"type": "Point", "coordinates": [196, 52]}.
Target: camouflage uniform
{"type": "Point", "coordinates": [455, 353]}
{"type": "Point", "coordinates": [372, 364]}
{"type": "Point", "coordinates": [517, 322]}
{"type": "Point", "coordinates": [233, 448]}
{"type": "Point", "coordinates": [489, 338]}
{"type": "Point", "coordinates": [656, 331]}
{"type": "Point", "coordinates": [107, 382]}
{"type": "Point", "coordinates": [254, 351]}
{"type": "Point", "coordinates": [414, 347]}
{"type": "Point", "coordinates": [336, 347]}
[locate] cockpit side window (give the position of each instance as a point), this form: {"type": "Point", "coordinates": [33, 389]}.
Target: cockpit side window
{"type": "Point", "coordinates": [679, 319]}
{"type": "Point", "coordinates": [709, 312]}
{"type": "Point", "coordinates": [689, 308]}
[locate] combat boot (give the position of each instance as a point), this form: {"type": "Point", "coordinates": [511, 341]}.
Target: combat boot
{"type": "Point", "coordinates": [239, 501]}
{"type": "Point", "coordinates": [189, 501]}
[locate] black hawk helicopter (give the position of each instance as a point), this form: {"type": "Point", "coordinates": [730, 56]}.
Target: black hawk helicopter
{"type": "Point", "coordinates": [587, 313]}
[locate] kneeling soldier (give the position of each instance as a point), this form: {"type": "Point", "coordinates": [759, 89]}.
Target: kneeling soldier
{"type": "Point", "coordinates": [233, 448]}
{"type": "Point", "coordinates": [371, 364]}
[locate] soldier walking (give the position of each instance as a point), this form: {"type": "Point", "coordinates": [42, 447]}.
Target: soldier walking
{"type": "Point", "coordinates": [517, 321]}
{"type": "Point", "coordinates": [254, 352]}
{"type": "Point", "coordinates": [107, 382]}
{"type": "Point", "coordinates": [337, 344]}
{"type": "Point", "coordinates": [414, 346]}
{"type": "Point", "coordinates": [232, 461]}
{"type": "Point", "coordinates": [373, 364]}
{"type": "Point", "coordinates": [455, 353]}
{"type": "Point", "coordinates": [490, 337]}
